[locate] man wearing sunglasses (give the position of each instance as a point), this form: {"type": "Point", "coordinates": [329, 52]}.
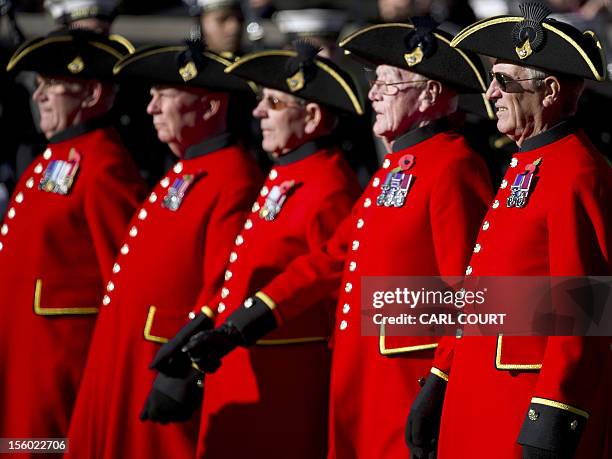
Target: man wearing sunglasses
{"type": "Point", "coordinates": [418, 216]}
{"type": "Point", "coordinates": [273, 396]}
{"type": "Point", "coordinates": [514, 397]}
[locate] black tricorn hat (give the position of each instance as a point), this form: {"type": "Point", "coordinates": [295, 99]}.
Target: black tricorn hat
{"type": "Point", "coordinates": [189, 64]}
{"type": "Point", "coordinates": [535, 40]}
{"type": "Point", "coordinates": [303, 74]}
{"type": "Point", "coordinates": [422, 48]}
{"type": "Point", "coordinates": [75, 53]}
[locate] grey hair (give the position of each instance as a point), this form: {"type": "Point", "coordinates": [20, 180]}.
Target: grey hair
{"type": "Point", "coordinates": [571, 88]}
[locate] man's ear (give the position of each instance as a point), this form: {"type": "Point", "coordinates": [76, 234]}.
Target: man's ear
{"type": "Point", "coordinates": [429, 95]}
{"type": "Point", "coordinates": [212, 105]}
{"type": "Point", "coordinates": [313, 117]}
{"type": "Point", "coordinates": [552, 89]}
{"type": "Point", "coordinates": [92, 93]}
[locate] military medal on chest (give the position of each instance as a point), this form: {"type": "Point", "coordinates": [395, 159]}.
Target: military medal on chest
{"type": "Point", "coordinates": [519, 192]}
{"type": "Point", "coordinates": [275, 200]}
{"type": "Point", "coordinates": [394, 190]}
{"type": "Point", "coordinates": [176, 193]}
{"type": "Point", "coordinates": [59, 174]}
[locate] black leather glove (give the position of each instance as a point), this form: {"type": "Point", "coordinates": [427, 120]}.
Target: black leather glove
{"type": "Point", "coordinates": [531, 452]}
{"type": "Point", "coordinates": [169, 359]}
{"type": "Point", "coordinates": [423, 424]}
{"type": "Point", "coordinates": [207, 348]}
{"type": "Point", "coordinates": [173, 399]}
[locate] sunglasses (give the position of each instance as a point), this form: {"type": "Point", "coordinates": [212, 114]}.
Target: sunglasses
{"type": "Point", "coordinates": [390, 89]}
{"type": "Point", "coordinates": [504, 80]}
{"type": "Point", "coordinates": [274, 103]}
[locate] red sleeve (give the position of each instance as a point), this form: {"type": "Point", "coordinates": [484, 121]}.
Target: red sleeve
{"type": "Point", "coordinates": [315, 276]}
{"type": "Point", "coordinates": [579, 244]}
{"type": "Point", "coordinates": [110, 201]}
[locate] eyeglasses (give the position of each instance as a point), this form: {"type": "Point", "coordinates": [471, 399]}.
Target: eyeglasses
{"type": "Point", "coordinates": [274, 103]}
{"type": "Point", "coordinates": [390, 89]}
{"type": "Point", "coordinates": [504, 80]}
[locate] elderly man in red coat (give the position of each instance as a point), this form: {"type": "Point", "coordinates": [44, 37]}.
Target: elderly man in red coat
{"type": "Point", "coordinates": [62, 231]}
{"type": "Point", "coordinates": [418, 216]}
{"type": "Point", "coordinates": [173, 256]}
{"type": "Point", "coordinates": [531, 397]}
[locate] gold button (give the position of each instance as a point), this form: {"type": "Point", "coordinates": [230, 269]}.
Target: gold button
{"type": "Point", "coordinates": [468, 271]}
{"type": "Point", "coordinates": [233, 257]}
{"type": "Point", "coordinates": [255, 207]}
{"type": "Point", "coordinates": [514, 162]}
{"type": "Point", "coordinates": [142, 214]}
{"type": "Point", "coordinates": [346, 308]}
{"type": "Point", "coordinates": [574, 425]}
{"type": "Point", "coordinates": [224, 292]}
{"type": "Point", "coordinates": [221, 307]}
{"type": "Point", "coordinates": [1, 246]}
{"type": "Point", "coordinates": [106, 300]}
{"type": "Point", "coordinates": [273, 174]}
{"type": "Point", "coordinates": [116, 268]}
{"type": "Point", "coordinates": [477, 248]}
{"type": "Point", "coordinates": [192, 315]}
{"type": "Point", "coordinates": [19, 198]}
{"type": "Point", "coordinates": [533, 414]}
{"type": "Point", "coordinates": [110, 286]}
{"type": "Point", "coordinates": [11, 213]}
{"type": "Point", "coordinates": [352, 266]}
{"type": "Point", "coordinates": [367, 203]}
{"type": "Point", "coordinates": [360, 223]}
{"type": "Point", "coordinates": [4, 229]}
{"type": "Point", "coordinates": [30, 183]}
{"type": "Point", "coordinates": [228, 275]}
{"type": "Point", "coordinates": [248, 303]}
{"type": "Point", "coordinates": [348, 287]}
{"type": "Point", "coordinates": [504, 184]}
{"type": "Point", "coordinates": [343, 325]}
{"type": "Point", "coordinates": [38, 169]}
{"type": "Point", "coordinates": [355, 245]}
{"type": "Point", "coordinates": [495, 204]}
{"type": "Point", "coordinates": [239, 240]}
{"type": "Point", "coordinates": [486, 225]}
{"type": "Point", "coordinates": [248, 224]}
{"type": "Point", "coordinates": [178, 168]}
{"type": "Point", "coordinates": [47, 153]}
{"type": "Point", "coordinates": [152, 197]}
{"type": "Point", "coordinates": [125, 249]}
{"type": "Point", "coordinates": [165, 182]}
{"type": "Point", "coordinates": [375, 182]}
{"type": "Point", "coordinates": [264, 191]}
{"type": "Point", "coordinates": [133, 231]}
{"type": "Point", "coordinates": [386, 163]}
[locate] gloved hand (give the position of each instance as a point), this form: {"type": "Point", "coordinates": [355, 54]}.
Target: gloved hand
{"type": "Point", "coordinates": [207, 348]}
{"type": "Point", "coordinates": [169, 359]}
{"type": "Point", "coordinates": [423, 424]}
{"type": "Point", "coordinates": [173, 399]}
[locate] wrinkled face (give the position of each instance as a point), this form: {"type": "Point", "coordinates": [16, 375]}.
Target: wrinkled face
{"type": "Point", "coordinates": [282, 119]}
{"type": "Point", "coordinates": [59, 101]}
{"type": "Point", "coordinates": [519, 107]}
{"type": "Point", "coordinates": [177, 114]}
{"type": "Point", "coordinates": [395, 10]}
{"type": "Point", "coordinates": [222, 29]}
{"type": "Point", "coordinates": [397, 105]}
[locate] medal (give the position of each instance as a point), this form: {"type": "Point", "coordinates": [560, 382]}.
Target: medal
{"type": "Point", "coordinates": [174, 197]}
{"type": "Point", "coordinates": [519, 192]}
{"type": "Point", "coordinates": [59, 174]}
{"type": "Point", "coordinates": [394, 190]}
{"type": "Point", "coordinates": [275, 200]}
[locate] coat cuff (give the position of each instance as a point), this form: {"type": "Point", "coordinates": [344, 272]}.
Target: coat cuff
{"type": "Point", "coordinates": [553, 426]}
{"type": "Point", "coordinates": [439, 373]}
{"type": "Point", "coordinates": [254, 319]}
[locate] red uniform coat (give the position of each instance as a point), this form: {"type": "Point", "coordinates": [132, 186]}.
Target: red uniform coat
{"type": "Point", "coordinates": [55, 252]}
{"type": "Point", "coordinates": [430, 234]}
{"type": "Point", "coordinates": [270, 401]}
{"type": "Point", "coordinates": [564, 230]}
{"type": "Point", "coordinates": [167, 257]}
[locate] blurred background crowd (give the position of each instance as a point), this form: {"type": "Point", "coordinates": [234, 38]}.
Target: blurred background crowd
{"type": "Point", "coordinates": [240, 26]}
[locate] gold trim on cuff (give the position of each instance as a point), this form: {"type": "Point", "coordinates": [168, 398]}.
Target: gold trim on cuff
{"type": "Point", "coordinates": [267, 300]}
{"type": "Point", "coordinates": [382, 348]}
{"type": "Point", "coordinates": [40, 311]}
{"type": "Point", "coordinates": [208, 312]}
{"type": "Point", "coordinates": [439, 373]}
{"type": "Point", "coordinates": [511, 366]}
{"type": "Point", "coordinates": [149, 324]}
{"type": "Point", "coordinates": [561, 406]}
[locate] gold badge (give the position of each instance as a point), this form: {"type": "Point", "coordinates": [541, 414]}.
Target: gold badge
{"type": "Point", "coordinates": [524, 51]}
{"type": "Point", "coordinates": [76, 66]}
{"type": "Point", "coordinates": [414, 57]}
{"type": "Point", "coordinates": [188, 71]}
{"type": "Point", "coordinates": [296, 82]}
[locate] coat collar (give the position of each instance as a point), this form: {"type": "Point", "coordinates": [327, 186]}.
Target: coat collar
{"type": "Point", "coordinates": [209, 145]}
{"type": "Point", "coordinates": [418, 135]}
{"type": "Point", "coordinates": [557, 132]}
